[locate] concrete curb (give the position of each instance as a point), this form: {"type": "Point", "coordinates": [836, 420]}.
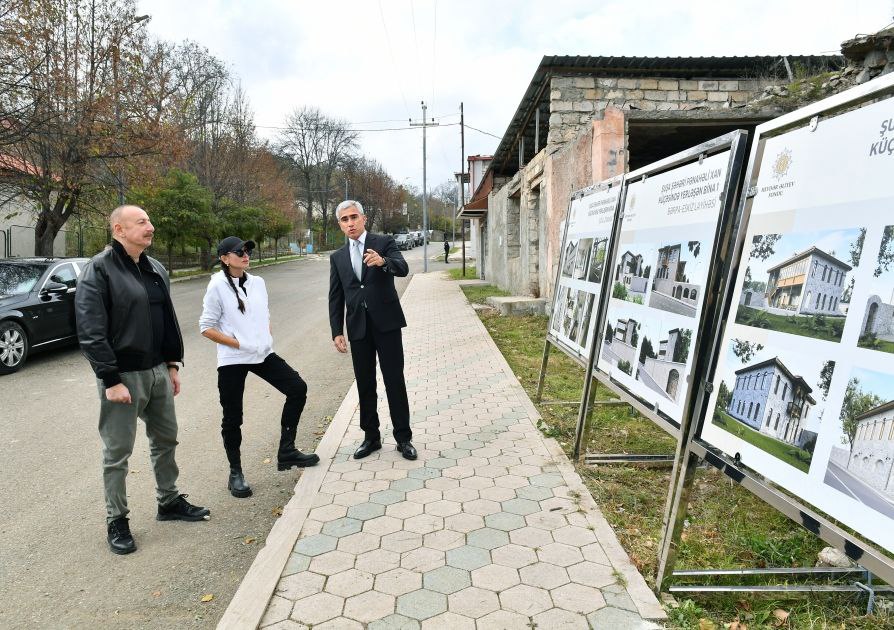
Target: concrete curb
{"type": "Point", "coordinates": [249, 604]}
{"type": "Point", "coordinates": [208, 274]}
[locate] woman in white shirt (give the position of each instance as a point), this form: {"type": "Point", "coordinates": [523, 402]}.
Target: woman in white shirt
{"type": "Point", "coordinates": [236, 317]}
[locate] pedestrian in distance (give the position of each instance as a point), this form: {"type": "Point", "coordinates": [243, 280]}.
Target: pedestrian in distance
{"type": "Point", "coordinates": [362, 296]}
{"type": "Point", "coordinates": [446, 250]}
{"type": "Point", "coordinates": [236, 317]}
{"type": "Point", "coordinates": [128, 330]}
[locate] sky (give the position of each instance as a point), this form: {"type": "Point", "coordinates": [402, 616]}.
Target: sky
{"type": "Point", "coordinates": [376, 60]}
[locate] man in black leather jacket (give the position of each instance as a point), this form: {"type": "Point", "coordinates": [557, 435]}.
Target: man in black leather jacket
{"type": "Point", "coordinates": [128, 331]}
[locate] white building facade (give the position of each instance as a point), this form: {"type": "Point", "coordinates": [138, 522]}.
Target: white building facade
{"type": "Point", "coordinates": [809, 283]}
{"type": "Point", "coordinates": [769, 398]}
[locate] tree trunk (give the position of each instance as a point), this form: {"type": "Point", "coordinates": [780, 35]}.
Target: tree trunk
{"type": "Point", "coordinates": [45, 232]}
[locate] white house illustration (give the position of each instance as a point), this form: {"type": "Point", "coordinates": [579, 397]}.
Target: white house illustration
{"type": "Point", "coordinates": [769, 398]}
{"type": "Point", "coordinates": [630, 272]}
{"type": "Point", "coordinates": [809, 283]}
{"type": "Point", "coordinates": [663, 373]}
{"type": "Point", "coordinates": [871, 457]}
{"type": "Point", "coordinates": [670, 276]}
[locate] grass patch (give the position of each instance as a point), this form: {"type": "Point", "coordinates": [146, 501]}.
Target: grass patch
{"type": "Point", "coordinates": [188, 273]}
{"type": "Point", "coordinates": [456, 273]}
{"type": "Point", "coordinates": [478, 294]}
{"type": "Point", "coordinates": [871, 342]}
{"type": "Point", "coordinates": [728, 527]}
{"type": "Point", "coordinates": [791, 455]}
{"type": "Point", "coordinates": [815, 326]}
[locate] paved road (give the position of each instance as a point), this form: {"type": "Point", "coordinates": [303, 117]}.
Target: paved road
{"type": "Point", "coordinates": [55, 567]}
{"type": "Point", "coordinates": [852, 486]}
{"type": "Point", "coordinates": [667, 303]}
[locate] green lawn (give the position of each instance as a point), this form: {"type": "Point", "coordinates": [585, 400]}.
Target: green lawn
{"type": "Point", "coordinates": [456, 273]}
{"type": "Point", "coordinates": [797, 457]}
{"type": "Point", "coordinates": [827, 328]}
{"type": "Point", "coordinates": [876, 344]}
{"type": "Point", "coordinates": [728, 526]}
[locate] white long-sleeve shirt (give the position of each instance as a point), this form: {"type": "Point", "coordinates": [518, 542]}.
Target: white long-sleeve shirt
{"type": "Point", "coordinates": [220, 310]}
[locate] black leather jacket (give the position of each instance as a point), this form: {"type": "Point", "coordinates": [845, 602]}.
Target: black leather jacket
{"type": "Point", "coordinates": [113, 317]}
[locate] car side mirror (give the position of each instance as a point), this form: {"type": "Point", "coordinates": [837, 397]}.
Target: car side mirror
{"type": "Point", "coordinates": [54, 288]}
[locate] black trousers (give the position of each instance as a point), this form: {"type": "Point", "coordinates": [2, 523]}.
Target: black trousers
{"type": "Point", "coordinates": [231, 384]}
{"type": "Point", "coordinates": [390, 350]}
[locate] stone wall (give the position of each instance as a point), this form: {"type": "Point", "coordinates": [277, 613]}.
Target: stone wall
{"type": "Point", "coordinates": [576, 100]}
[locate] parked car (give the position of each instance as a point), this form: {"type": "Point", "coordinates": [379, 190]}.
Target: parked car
{"type": "Point", "coordinates": [417, 238]}
{"type": "Point", "coordinates": [36, 307]}
{"type": "Point", "coordinates": [403, 241]}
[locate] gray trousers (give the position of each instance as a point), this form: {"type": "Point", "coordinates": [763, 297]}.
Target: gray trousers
{"type": "Point", "coordinates": [152, 399]}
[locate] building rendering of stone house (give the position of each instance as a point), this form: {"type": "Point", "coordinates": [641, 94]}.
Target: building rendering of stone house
{"type": "Point", "coordinates": [670, 276]}
{"type": "Point", "coordinates": [631, 273]}
{"type": "Point", "coordinates": [878, 319]}
{"type": "Point", "coordinates": [621, 345]}
{"type": "Point", "coordinates": [769, 398]}
{"type": "Point", "coordinates": [808, 283]}
{"type": "Point", "coordinates": [872, 453]}
{"type": "Point", "coordinates": [663, 374]}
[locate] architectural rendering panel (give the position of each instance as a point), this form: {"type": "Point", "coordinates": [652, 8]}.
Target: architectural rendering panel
{"type": "Point", "coordinates": [804, 380]}
{"type": "Point", "coordinates": [796, 283]}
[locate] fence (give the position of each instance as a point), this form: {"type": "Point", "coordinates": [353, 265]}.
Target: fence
{"type": "Point", "coordinates": [17, 241]}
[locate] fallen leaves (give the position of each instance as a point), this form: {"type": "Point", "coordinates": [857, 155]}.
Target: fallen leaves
{"type": "Point", "coordinates": [736, 625]}
{"type": "Point", "coordinates": [706, 624]}
{"type": "Point", "coordinates": [266, 460]}
{"type": "Point", "coordinates": [207, 597]}
{"type": "Point", "coordinates": [277, 510]}
{"type": "Point", "coordinates": [248, 540]}
{"type": "Point", "coordinates": [781, 617]}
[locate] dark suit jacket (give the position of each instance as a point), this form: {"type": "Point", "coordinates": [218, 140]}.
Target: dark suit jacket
{"type": "Point", "coordinates": [375, 289]}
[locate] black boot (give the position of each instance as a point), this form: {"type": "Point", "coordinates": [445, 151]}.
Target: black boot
{"type": "Point", "coordinates": [119, 537]}
{"type": "Point", "coordinates": [288, 456]}
{"type": "Point", "coordinates": [237, 485]}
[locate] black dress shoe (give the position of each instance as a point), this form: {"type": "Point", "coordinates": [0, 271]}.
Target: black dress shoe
{"type": "Point", "coordinates": [407, 450]}
{"type": "Point", "coordinates": [297, 459]}
{"type": "Point", "coordinates": [182, 510]}
{"type": "Point", "coordinates": [366, 447]}
{"type": "Point", "coordinates": [236, 484]}
{"type": "Point", "coordinates": [120, 539]}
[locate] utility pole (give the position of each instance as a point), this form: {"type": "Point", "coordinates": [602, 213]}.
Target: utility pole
{"type": "Point", "coordinates": [462, 180]}
{"type": "Point", "coordinates": [425, 125]}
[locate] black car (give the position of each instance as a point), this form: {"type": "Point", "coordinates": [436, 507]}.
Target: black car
{"type": "Point", "coordinates": [36, 306]}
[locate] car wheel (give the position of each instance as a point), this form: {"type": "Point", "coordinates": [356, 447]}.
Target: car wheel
{"type": "Point", "coordinates": [13, 347]}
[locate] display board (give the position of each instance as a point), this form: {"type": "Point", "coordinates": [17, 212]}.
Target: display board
{"type": "Point", "coordinates": [658, 277]}
{"type": "Point", "coordinates": [803, 385]}
{"type": "Point", "coordinates": [588, 229]}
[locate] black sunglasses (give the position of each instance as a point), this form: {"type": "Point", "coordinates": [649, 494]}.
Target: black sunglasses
{"type": "Point", "coordinates": [241, 252]}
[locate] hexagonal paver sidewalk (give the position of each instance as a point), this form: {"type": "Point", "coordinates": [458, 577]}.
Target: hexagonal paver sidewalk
{"type": "Point", "coordinates": [489, 528]}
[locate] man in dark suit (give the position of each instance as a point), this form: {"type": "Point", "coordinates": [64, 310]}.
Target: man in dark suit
{"type": "Point", "coordinates": [361, 283]}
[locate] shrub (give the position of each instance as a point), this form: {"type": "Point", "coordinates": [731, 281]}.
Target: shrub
{"type": "Point", "coordinates": [619, 291]}
{"type": "Point", "coordinates": [625, 366]}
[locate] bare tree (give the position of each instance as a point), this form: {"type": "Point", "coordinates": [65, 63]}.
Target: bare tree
{"type": "Point", "coordinates": [73, 105]}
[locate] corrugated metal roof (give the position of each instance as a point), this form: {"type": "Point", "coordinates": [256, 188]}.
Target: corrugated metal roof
{"type": "Point", "coordinates": [505, 161]}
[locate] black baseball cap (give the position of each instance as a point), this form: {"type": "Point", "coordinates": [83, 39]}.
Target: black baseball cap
{"type": "Point", "coordinates": [234, 244]}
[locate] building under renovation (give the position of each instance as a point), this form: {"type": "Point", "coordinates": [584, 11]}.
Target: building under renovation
{"type": "Point", "coordinates": [585, 119]}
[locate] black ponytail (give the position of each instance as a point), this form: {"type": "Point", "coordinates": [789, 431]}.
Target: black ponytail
{"type": "Point", "coordinates": [226, 270]}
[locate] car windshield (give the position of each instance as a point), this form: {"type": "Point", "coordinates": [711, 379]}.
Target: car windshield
{"type": "Point", "coordinates": [18, 278]}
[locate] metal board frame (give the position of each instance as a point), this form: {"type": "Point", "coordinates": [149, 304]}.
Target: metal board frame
{"type": "Point", "coordinates": [735, 142]}
{"type": "Point", "coordinates": [695, 449]}
{"type": "Point", "coordinates": [551, 339]}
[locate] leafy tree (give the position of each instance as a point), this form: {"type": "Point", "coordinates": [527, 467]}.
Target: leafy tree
{"type": "Point", "coordinates": [745, 350]}
{"type": "Point", "coordinates": [825, 378]}
{"type": "Point", "coordinates": [723, 396]}
{"type": "Point", "coordinates": [763, 245]}
{"type": "Point", "coordinates": [885, 251]}
{"type": "Point", "coordinates": [634, 334]}
{"type": "Point", "coordinates": [180, 210]}
{"type": "Point", "coordinates": [694, 248]}
{"type": "Point", "coordinates": [681, 351]}
{"type": "Point", "coordinates": [646, 351]}
{"type": "Point", "coordinates": [856, 403]}
{"type": "Point", "coordinates": [856, 248]}
{"type": "Point", "coordinates": [609, 333]}
{"type": "Point", "coordinates": [619, 291]}
{"type": "Point", "coordinates": [848, 291]}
